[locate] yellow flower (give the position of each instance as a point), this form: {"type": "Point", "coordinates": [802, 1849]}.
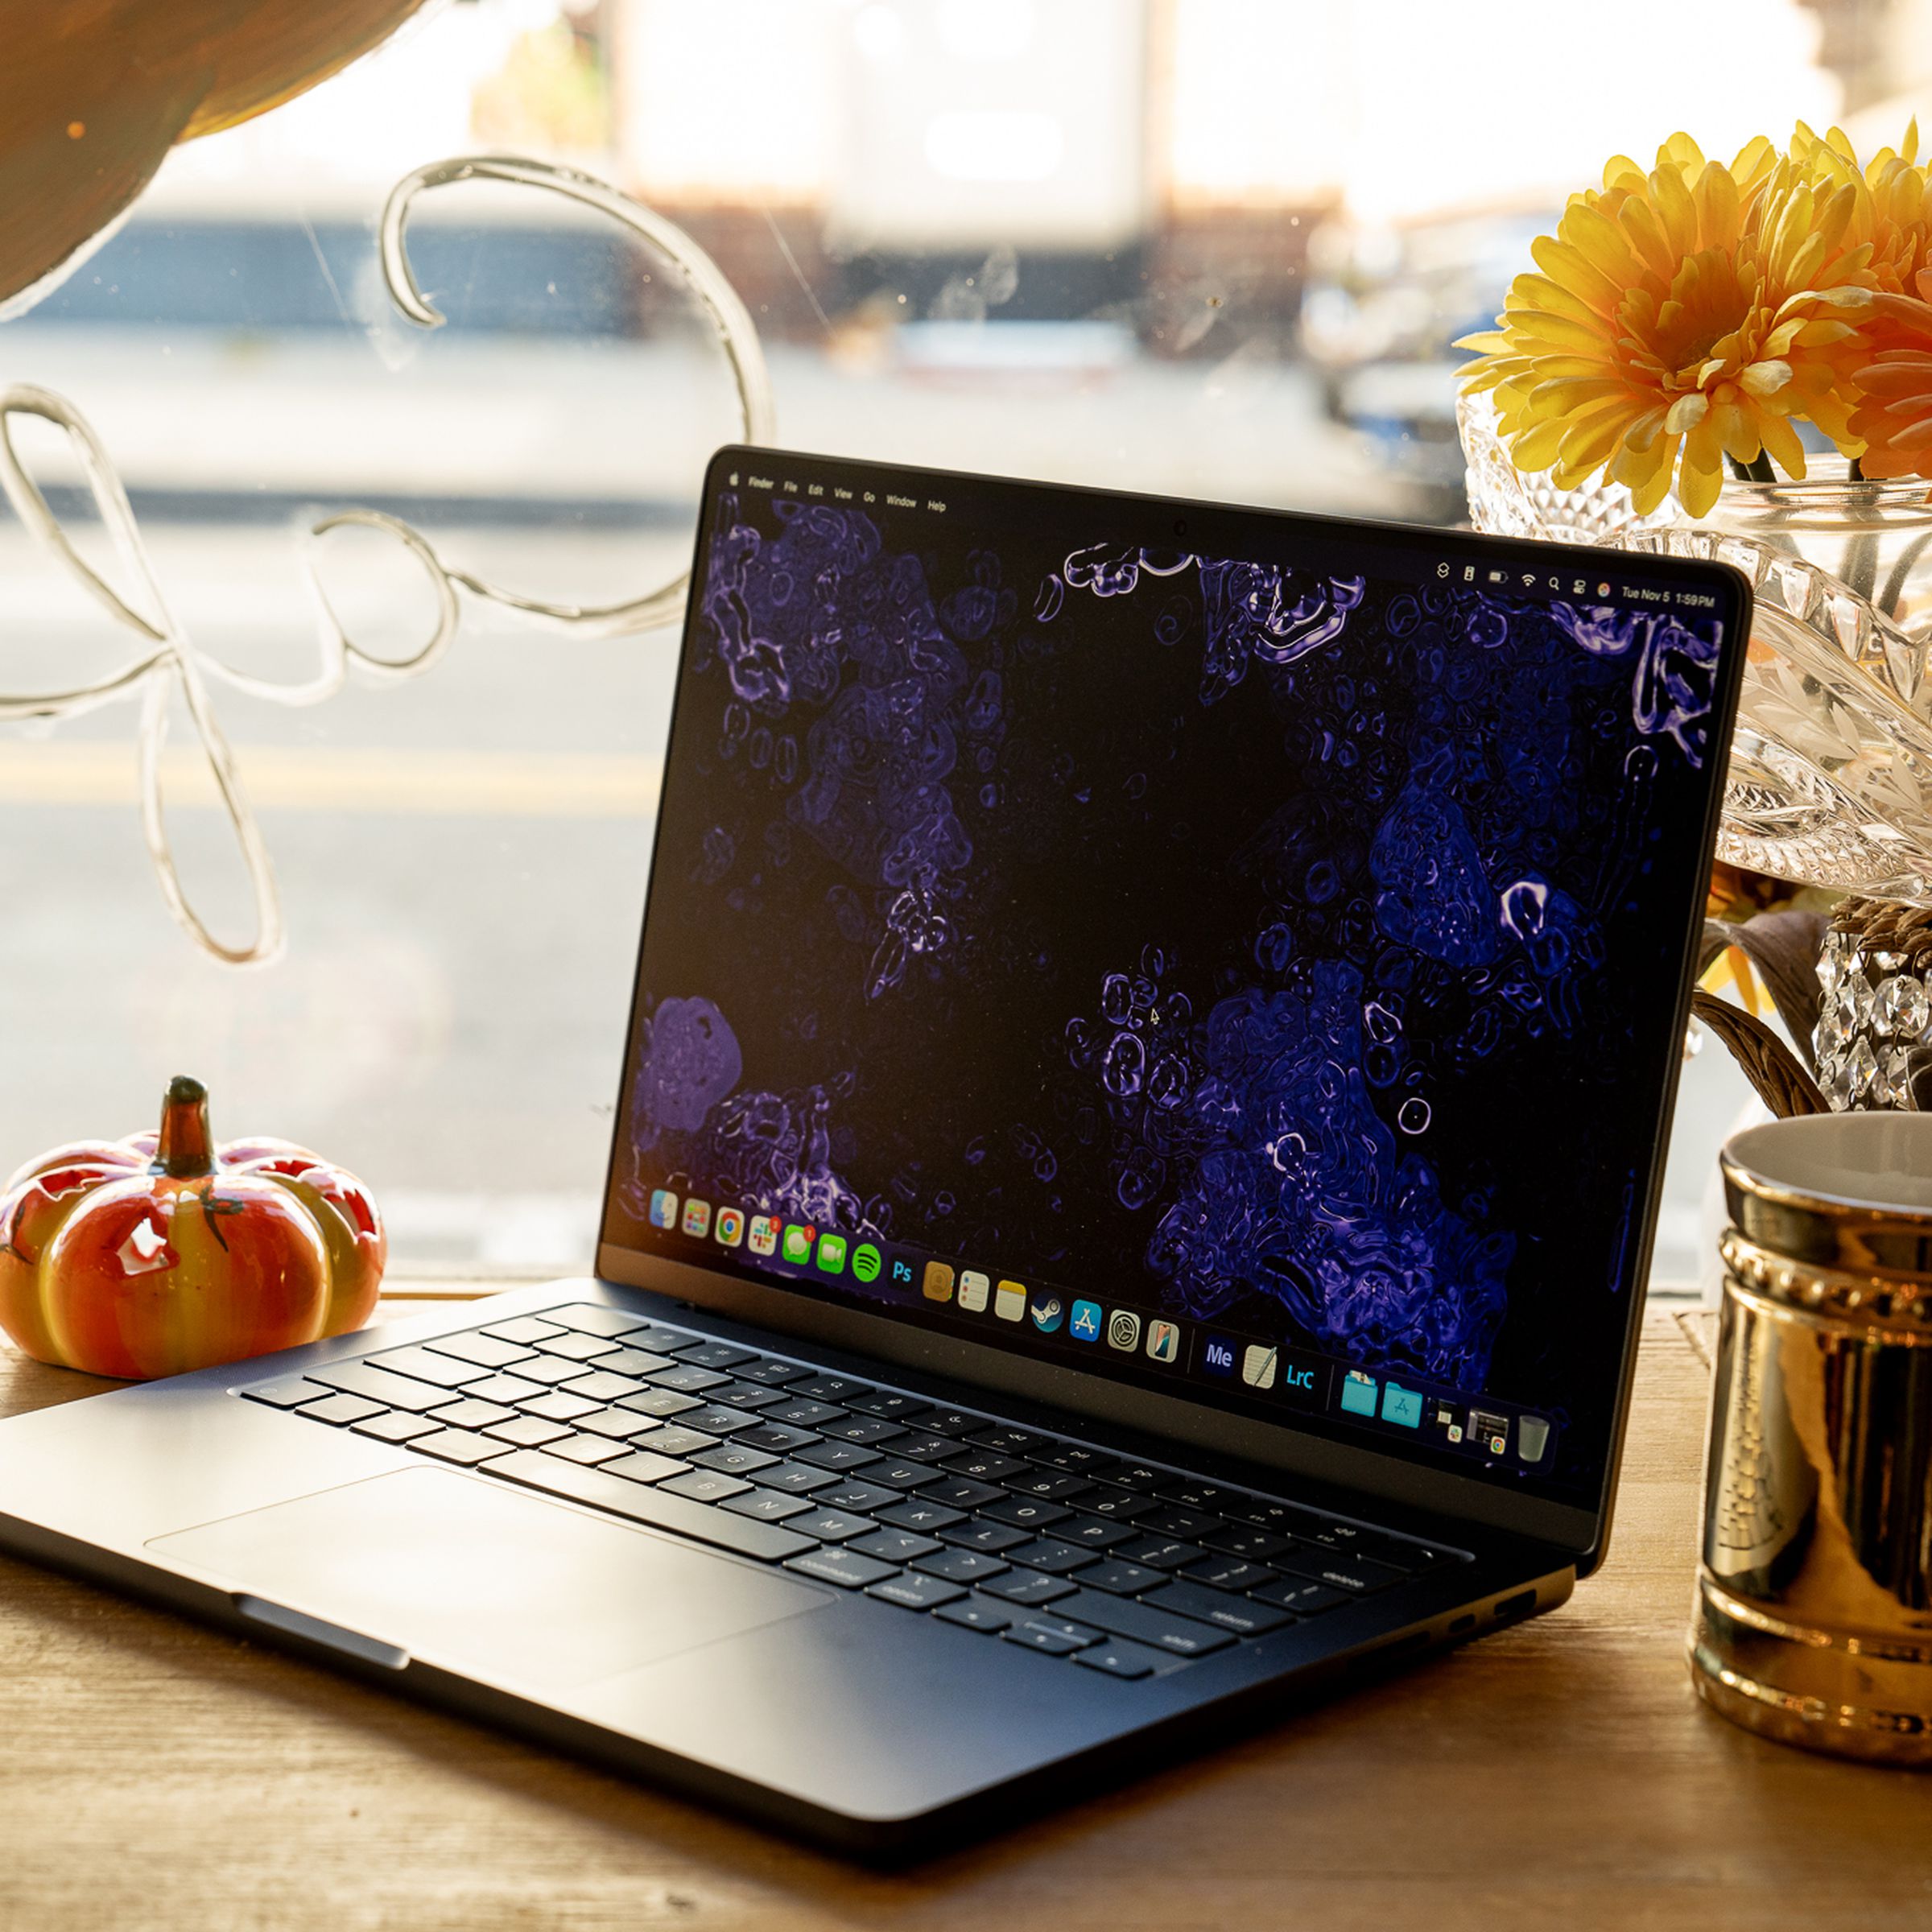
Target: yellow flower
{"type": "Point", "coordinates": [1894, 212]}
{"type": "Point", "coordinates": [1690, 312]}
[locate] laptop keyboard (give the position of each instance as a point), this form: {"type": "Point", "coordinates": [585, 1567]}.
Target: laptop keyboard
{"type": "Point", "coordinates": [1041, 1540]}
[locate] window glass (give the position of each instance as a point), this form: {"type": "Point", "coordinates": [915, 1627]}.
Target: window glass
{"type": "Point", "coordinates": [1203, 247]}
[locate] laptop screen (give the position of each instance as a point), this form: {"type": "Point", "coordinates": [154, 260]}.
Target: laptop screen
{"type": "Point", "coordinates": [1235, 954]}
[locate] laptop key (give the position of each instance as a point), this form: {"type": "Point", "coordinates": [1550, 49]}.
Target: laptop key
{"type": "Point", "coordinates": [1051, 1555]}
{"type": "Point", "coordinates": [1238, 1539]}
{"type": "Point", "coordinates": [796, 1478]}
{"type": "Point", "coordinates": [980, 1535]}
{"type": "Point", "coordinates": [528, 1431]}
{"type": "Point", "coordinates": [293, 1392]}
{"type": "Point", "coordinates": [627, 1361]}
{"type": "Point", "coordinates": [1117, 1505]}
{"type": "Point", "coordinates": [859, 1498]}
{"type": "Point", "coordinates": [1074, 1458]}
{"type": "Point", "coordinates": [468, 1412]}
{"type": "Point", "coordinates": [688, 1379]}
{"type": "Point", "coordinates": [952, 1421]}
{"type": "Point", "coordinates": [600, 1385]}
{"type": "Point", "coordinates": [1357, 1574]}
{"type": "Point", "coordinates": [770, 1542]}
{"type": "Point", "coordinates": [900, 1475]}
{"type": "Point", "coordinates": [925, 1448]}
{"type": "Point", "coordinates": [705, 1485]}
{"type": "Point", "coordinates": [767, 1505]}
{"type": "Point", "coordinates": [659, 1402]}
{"type": "Point", "coordinates": [832, 1525]}
{"type": "Point", "coordinates": [837, 1455]}
{"type": "Point", "coordinates": [1029, 1587]}
{"type": "Point", "coordinates": [1230, 1573]}
{"type": "Point", "coordinates": [917, 1513]}
{"type": "Point", "coordinates": [457, 1446]}
{"type": "Point", "coordinates": [580, 1347]}
{"type": "Point", "coordinates": [648, 1334]}
{"type": "Point", "coordinates": [773, 1373]}
{"type": "Point", "coordinates": [887, 1403]}
{"type": "Point", "coordinates": [844, 1568]}
{"type": "Point", "coordinates": [800, 1412]}
{"type": "Point", "coordinates": [445, 1370]}
{"type": "Point", "coordinates": [1093, 1532]}
{"type": "Point", "coordinates": [588, 1319]}
{"type": "Point", "coordinates": [727, 1459]}
{"type": "Point", "coordinates": [1184, 1526]}
{"type": "Point", "coordinates": [959, 1493]}
{"type": "Point", "coordinates": [1049, 1485]}
{"type": "Point", "coordinates": [1235, 1613]}
{"type": "Point", "coordinates": [977, 1614]}
{"type": "Point", "coordinates": [1009, 1441]}
{"type": "Point", "coordinates": [866, 1430]}
{"type": "Point", "coordinates": [1121, 1579]}
{"type": "Point", "coordinates": [739, 1395]}
{"type": "Point", "coordinates": [714, 1418]}
{"type": "Point", "coordinates": [984, 1465]}
{"type": "Point", "coordinates": [558, 1407]}
{"type": "Point", "coordinates": [1028, 1512]}
{"type": "Point", "coordinates": [644, 1466]}
{"type": "Point", "coordinates": [550, 1369]}
{"type": "Point", "coordinates": [524, 1328]}
{"type": "Point", "coordinates": [777, 1437]}
{"type": "Point", "coordinates": [675, 1440]}
{"type": "Point", "coordinates": [714, 1355]}
{"type": "Point", "coordinates": [1161, 1552]}
{"type": "Point", "coordinates": [1119, 1659]}
{"type": "Point", "coordinates": [1303, 1599]}
{"type": "Point", "coordinates": [341, 1409]}
{"type": "Point", "coordinates": [961, 1566]}
{"type": "Point", "coordinates": [619, 1425]}
{"type": "Point", "coordinates": [586, 1449]}
{"type": "Point", "coordinates": [379, 1386]}
{"type": "Point", "coordinates": [830, 1388]}
{"type": "Point", "coordinates": [486, 1351]}
{"type": "Point", "coordinates": [1040, 1637]}
{"type": "Point", "coordinates": [1158, 1629]}
{"type": "Point", "coordinates": [392, 1426]}
{"type": "Point", "coordinates": [503, 1389]}
{"type": "Point", "coordinates": [893, 1546]}
{"type": "Point", "coordinates": [916, 1592]}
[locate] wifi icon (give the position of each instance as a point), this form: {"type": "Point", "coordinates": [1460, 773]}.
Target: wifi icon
{"type": "Point", "coordinates": [1528, 578]}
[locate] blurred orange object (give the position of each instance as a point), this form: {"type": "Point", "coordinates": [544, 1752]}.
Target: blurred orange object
{"type": "Point", "coordinates": [161, 1252]}
{"type": "Point", "coordinates": [94, 92]}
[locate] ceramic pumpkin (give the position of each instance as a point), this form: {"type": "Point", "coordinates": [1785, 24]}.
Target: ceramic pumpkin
{"type": "Point", "coordinates": [162, 1253]}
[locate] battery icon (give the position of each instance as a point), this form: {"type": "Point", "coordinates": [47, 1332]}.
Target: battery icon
{"type": "Point", "coordinates": [1495, 576]}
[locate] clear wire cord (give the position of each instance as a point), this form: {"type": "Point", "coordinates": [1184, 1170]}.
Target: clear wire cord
{"type": "Point", "coordinates": [166, 660]}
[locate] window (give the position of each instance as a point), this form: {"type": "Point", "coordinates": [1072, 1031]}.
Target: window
{"type": "Point", "coordinates": [1214, 247]}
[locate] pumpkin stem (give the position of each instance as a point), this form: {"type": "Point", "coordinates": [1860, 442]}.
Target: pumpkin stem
{"type": "Point", "coordinates": [185, 1148]}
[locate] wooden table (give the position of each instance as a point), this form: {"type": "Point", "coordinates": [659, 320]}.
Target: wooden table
{"type": "Point", "coordinates": [154, 1774]}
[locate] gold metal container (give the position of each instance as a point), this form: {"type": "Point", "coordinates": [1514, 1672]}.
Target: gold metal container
{"type": "Point", "coordinates": [1814, 1618]}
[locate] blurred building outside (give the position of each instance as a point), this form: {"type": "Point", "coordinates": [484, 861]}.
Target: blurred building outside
{"type": "Point", "coordinates": [1209, 247]}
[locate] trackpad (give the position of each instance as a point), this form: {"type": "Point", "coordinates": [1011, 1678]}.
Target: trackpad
{"type": "Point", "coordinates": [463, 1573]}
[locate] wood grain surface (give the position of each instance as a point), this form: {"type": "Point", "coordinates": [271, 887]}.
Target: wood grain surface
{"type": "Point", "coordinates": [154, 1774]}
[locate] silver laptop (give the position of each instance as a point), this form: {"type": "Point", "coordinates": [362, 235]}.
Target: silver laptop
{"type": "Point", "coordinates": [1153, 1048]}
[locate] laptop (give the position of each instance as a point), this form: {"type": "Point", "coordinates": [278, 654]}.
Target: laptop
{"type": "Point", "coordinates": [1152, 1053]}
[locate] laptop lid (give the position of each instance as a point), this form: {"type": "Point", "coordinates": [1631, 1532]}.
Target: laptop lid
{"type": "Point", "coordinates": [1220, 971]}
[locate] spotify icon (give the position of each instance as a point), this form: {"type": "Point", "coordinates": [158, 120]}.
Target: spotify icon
{"type": "Point", "coordinates": [865, 1262]}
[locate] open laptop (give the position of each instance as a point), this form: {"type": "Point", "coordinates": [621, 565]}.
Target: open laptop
{"type": "Point", "coordinates": [1154, 1045]}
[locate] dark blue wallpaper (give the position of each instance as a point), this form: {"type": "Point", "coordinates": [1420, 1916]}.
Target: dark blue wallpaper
{"type": "Point", "coordinates": [1276, 945]}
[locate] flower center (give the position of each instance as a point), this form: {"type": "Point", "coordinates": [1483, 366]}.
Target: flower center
{"type": "Point", "coordinates": [1708, 304]}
